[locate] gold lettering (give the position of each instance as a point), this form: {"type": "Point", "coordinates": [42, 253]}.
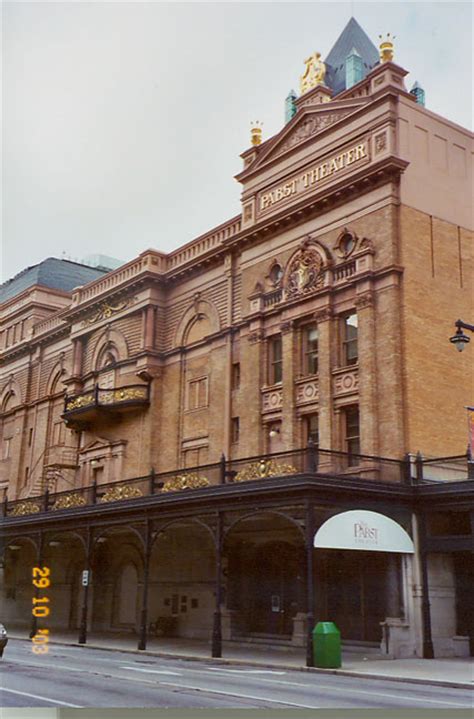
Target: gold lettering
{"type": "Point", "coordinates": [312, 176]}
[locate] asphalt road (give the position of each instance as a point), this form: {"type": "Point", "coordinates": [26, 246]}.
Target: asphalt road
{"type": "Point", "coordinates": [82, 677]}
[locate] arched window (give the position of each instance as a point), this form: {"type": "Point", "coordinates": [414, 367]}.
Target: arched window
{"type": "Point", "coordinates": [108, 357]}
{"type": "Point", "coordinates": [275, 274]}
{"type": "Point", "coordinates": [9, 401]}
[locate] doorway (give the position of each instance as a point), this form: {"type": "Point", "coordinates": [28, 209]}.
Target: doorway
{"type": "Point", "coordinates": [272, 571]}
{"type": "Point", "coordinates": [351, 589]}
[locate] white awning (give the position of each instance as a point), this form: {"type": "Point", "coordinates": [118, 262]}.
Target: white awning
{"type": "Point", "coordinates": [363, 530]}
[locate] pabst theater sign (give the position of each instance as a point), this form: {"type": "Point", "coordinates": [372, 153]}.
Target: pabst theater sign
{"type": "Point", "coordinates": [364, 530]}
{"type": "Point", "coordinates": [313, 176]}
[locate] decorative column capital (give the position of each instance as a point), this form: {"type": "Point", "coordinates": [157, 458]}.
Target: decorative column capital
{"type": "Point", "coordinates": [323, 315]}
{"type": "Point", "coordinates": [286, 326]}
{"type": "Point", "coordinates": [256, 336]}
{"type": "Point", "coordinates": [364, 300]}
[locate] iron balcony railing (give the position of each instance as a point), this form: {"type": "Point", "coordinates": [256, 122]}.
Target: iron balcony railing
{"type": "Point", "coordinates": [115, 398]}
{"type": "Point", "coordinates": [310, 460]}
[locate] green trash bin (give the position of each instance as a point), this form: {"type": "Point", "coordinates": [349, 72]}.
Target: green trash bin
{"type": "Point", "coordinates": [326, 646]}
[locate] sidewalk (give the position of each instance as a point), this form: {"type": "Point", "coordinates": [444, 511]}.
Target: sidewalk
{"type": "Point", "coordinates": [455, 672]}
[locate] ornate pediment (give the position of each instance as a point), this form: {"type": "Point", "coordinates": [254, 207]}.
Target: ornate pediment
{"type": "Point", "coordinates": [305, 124]}
{"type": "Point", "coordinates": [100, 443]}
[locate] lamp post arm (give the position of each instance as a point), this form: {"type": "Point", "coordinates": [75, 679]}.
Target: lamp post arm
{"type": "Point", "coordinates": [464, 325]}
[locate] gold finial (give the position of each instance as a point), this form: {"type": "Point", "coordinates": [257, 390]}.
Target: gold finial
{"type": "Point", "coordinates": [386, 48]}
{"type": "Point", "coordinates": [314, 73]}
{"type": "Point", "coordinates": [256, 133]}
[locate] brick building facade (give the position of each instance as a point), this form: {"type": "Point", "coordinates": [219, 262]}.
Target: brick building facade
{"type": "Point", "coordinates": [323, 311]}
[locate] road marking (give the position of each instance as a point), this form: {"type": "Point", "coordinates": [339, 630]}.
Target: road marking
{"type": "Point", "coordinates": [363, 691]}
{"type": "Point", "coordinates": [152, 671]}
{"type": "Point", "coordinates": [44, 699]}
{"type": "Point", "coordinates": [231, 693]}
{"type": "Point", "coordinates": [244, 671]}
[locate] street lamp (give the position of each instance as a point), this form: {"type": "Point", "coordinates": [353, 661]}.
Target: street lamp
{"type": "Point", "coordinates": [460, 340]}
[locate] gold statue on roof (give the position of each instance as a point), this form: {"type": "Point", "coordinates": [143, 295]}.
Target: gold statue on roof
{"type": "Point", "coordinates": [314, 73]}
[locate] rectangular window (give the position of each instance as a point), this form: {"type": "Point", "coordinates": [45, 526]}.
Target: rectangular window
{"type": "Point", "coordinates": [30, 437]}
{"type": "Point", "coordinates": [58, 433]}
{"type": "Point", "coordinates": [275, 364]}
{"type": "Point", "coordinates": [27, 472]}
{"type": "Point", "coordinates": [352, 434]}
{"type": "Point", "coordinates": [349, 340]}
{"type": "Point", "coordinates": [235, 429]}
{"type": "Point", "coordinates": [310, 349]}
{"type": "Point", "coordinates": [197, 393]}
{"type": "Point", "coordinates": [6, 447]}
{"type": "Point", "coordinates": [312, 429]}
{"type": "Point", "coordinates": [236, 375]}
{"type": "Point", "coordinates": [195, 457]}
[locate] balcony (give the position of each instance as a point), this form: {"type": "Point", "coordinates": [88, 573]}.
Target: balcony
{"type": "Point", "coordinates": [83, 408]}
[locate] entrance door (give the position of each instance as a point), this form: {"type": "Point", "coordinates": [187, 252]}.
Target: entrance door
{"type": "Point", "coordinates": [272, 570]}
{"type": "Point", "coordinates": [464, 577]}
{"type": "Point", "coordinates": [355, 592]}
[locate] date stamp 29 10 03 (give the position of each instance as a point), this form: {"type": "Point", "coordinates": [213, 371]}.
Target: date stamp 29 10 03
{"type": "Point", "coordinates": [40, 609]}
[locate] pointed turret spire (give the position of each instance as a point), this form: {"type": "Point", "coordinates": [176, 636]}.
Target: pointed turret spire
{"type": "Point", "coordinates": [353, 38]}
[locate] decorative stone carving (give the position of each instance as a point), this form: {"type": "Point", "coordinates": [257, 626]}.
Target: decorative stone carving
{"type": "Point", "coordinates": [304, 273]}
{"type": "Point", "coordinates": [380, 141]}
{"type": "Point", "coordinates": [106, 310]}
{"type": "Point", "coordinates": [67, 501]}
{"type": "Point", "coordinates": [256, 336]}
{"type": "Point", "coordinates": [272, 400]}
{"type": "Point", "coordinates": [124, 491]}
{"type": "Point", "coordinates": [323, 315]}
{"type": "Point", "coordinates": [286, 327]}
{"type": "Point", "coordinates": [365, 300]}
{"type": "Point", "coordinates": [264, 468]}
{"type": "Point", "coordinates": [307, 392]}
{"type": "Point", "coordinates": [308, 127]}
{"type": "Point", "coordinates": [248, 213]}
{"type": "Point", "coordinates": [185, 481]}
{"type": "Point", "coordinates": [346, 382]}
{"type": "Point", "coordinates": [366, 244]}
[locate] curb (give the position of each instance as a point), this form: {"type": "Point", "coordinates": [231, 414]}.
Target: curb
{"type": "Point", "coordinates": [253, 663]}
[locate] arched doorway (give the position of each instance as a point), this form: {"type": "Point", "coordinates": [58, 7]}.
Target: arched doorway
{"type": "Point", "coordinates": [358, 573]}
{"type": "Point", "coordinates": [272, 571]}
{"type": "Point", "coordinates": [265, 575]}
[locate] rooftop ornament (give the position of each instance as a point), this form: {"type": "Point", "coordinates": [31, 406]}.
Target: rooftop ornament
{"type": "Point", "coordinates": [386, 48]}
{"type": "Point", "coordinates": [256, 133]}
{"type": "Point", "coordinates": [314, 73]}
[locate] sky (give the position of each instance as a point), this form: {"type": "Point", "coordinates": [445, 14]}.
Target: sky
{"type": "Point", "coordinates": [123, 122]}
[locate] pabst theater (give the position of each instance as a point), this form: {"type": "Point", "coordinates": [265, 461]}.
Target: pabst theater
{"type": "Point", "coordinates": [266, 427]}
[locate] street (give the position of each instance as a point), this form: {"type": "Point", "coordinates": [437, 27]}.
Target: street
{"type": "Point", "coordinates": [82, 677]}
